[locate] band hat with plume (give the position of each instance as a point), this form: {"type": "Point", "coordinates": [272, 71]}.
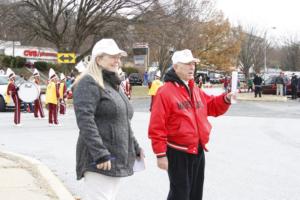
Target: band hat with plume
{"type": "Point", "coordinates": [107, 46]}
{"type": "Point", "coordinates": [62, 76]}
{"type": "Point", "coordinates": [80, 67]}
{"type": "Point", "coordinates": [10, 73]}
{"type": "Point", "coordinates": [52, 74]}
{"type": "Point", "coordinates": [158, 74]}
{"type": "Point", "coordinates": [36, 73]}
{"type": "Point", "coordinates": [184, 56]}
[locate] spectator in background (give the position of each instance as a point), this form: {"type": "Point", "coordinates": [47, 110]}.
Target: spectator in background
{"type": "Point", "coordinates": [72, 75]}
{"type": "Point", "coordinates": [257, 81]}
{"type": "Point", "coordinates": [250, 85]}
{"type": "Point", "coordinates": [285, 82]}
{"type": "Point", "coordinates": [298, 87]}
{"type": "Point", "coordinates": [226, 84]}
{"type": "Point", "coordinates": [294, 84]}
{"type": "Point", "coordinates": [279, 81]}
{"type": "Point", "coordinates": [200, 81]}
{"type": "Point", "coordinates": [125, 84]}
{"type": "Point", "coordinates": [68, 82]}
{"type": "Point", "coordinates": [146, 78]}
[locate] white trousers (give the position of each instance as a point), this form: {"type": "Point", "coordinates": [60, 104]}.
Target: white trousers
{"type": "Point", "coordinates": [279, 89]}
{"type": "Point", "coordinates": [100, 187]}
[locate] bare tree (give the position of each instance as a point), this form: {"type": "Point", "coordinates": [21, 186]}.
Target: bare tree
{"type": "Point", "coordinates": [291, 54]}
{"type": "Point", "coordinates": [252, 50]}
{"type": "Point", "coordinates": [74, 25]}
{"type": "Point", "coordinates": [173, 26]}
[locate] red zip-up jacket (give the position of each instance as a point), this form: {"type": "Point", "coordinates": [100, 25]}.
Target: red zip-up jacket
{"type": "Point", "coordinates": [179, 116]}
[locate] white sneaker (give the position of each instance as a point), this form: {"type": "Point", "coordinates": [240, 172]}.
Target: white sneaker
{"type": "Point", "coordinates": [50, 125]}
{"type": "Point", "coordinates": [57, 124]}
{"type": "Point", "coordinates": [18, 125]}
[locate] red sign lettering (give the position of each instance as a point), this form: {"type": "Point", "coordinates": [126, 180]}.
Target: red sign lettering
{"type": "Point", "coordinates": [35, 53]}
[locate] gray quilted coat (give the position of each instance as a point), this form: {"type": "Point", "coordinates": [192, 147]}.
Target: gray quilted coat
{"type": "Point", "coordinates": [103, 118]}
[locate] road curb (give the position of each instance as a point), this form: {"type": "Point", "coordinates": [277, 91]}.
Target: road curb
{"type": "Point", "coordinates": [54, 184]}
{"type": "Point", "coordinates": [266, 98]}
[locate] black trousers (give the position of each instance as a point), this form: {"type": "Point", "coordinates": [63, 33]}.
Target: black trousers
{"type": "Point", "coordinates": [186, 174]}
{"type": "Point", "coordinates": [257, 91]}
{"type": "Point", "coordinates": [294, 92]}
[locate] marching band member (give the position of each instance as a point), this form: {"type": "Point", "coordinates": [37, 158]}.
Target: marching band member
{"type": "Point", "coordinates": [38, 106]}
{"type": "Point", "coordinates": [154, 87]}
{"type": "Point", "coordinates": [52, 96]}
{"type": "Point", "coordinates": [62, 94]}
{"type": "Point", "coordinates": [12, 91]}
{"type": "Point", "coordinates": [125, 85]}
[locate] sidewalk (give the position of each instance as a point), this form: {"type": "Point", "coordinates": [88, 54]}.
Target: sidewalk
{"type": "Point", "coordinates": [24, 178]}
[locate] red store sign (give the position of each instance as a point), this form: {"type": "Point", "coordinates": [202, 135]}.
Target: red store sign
{"type": "Point", "coordinates": [35, 53]}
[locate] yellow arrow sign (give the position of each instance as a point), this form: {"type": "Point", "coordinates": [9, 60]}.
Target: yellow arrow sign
{"type": "Point", "coordinates": [66, 57]}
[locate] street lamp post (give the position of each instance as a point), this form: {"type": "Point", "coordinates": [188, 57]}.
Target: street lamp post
{"type": "Point", "coordinates": [265, 50]}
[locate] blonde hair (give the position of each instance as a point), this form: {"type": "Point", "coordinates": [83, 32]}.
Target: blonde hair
{"type": "Point", "coordinates": [94, 70]}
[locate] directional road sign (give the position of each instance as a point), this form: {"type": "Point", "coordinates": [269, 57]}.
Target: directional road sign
{"type": "Point", "coordinates": [66, 57]}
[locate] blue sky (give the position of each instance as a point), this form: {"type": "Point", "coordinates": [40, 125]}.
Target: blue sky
{"type": "Point", "coordinates": [264, 14]}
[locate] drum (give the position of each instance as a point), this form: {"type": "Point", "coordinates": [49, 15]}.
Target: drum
{"type": "Point", "coordinates": [28, 92]}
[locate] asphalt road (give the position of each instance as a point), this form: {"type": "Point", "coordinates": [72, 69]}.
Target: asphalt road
{"type": "Point", "coordinates": [254, 152]}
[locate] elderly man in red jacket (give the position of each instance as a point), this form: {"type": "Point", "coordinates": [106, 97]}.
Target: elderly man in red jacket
{"type": "Point", "coordinates": [179, 128]}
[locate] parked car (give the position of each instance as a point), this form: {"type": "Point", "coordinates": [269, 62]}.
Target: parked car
{"type": "Point", "coordinates": [135, 79]}
{"type": "Point", "coordinates": [215, 78]}
{"type": "Point", "coordinates": [269, 86]}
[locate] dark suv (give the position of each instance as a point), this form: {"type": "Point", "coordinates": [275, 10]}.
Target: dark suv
{"type": "Point", "coordinates": [135, 79]}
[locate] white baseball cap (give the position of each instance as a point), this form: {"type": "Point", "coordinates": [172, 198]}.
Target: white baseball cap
{"type": "Point", "coordinates": [107, 46]}
{"type": "Point", "coordinates": [184, 56]}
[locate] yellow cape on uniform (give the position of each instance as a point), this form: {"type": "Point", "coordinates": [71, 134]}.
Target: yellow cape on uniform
{"type": "Point", "coordinates": [154, 87]}
{"type": "Point", "coordinates": [51, 93]}
{"type": "Point", "coordinates": [61, 90]}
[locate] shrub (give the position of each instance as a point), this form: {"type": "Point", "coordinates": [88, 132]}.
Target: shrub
{"type": "Point", "coordinates": [6, 60]}
{"type": "Point", "coordinates": [41, 66]}
{"type": "Point", "coordinates": [19, 62]}
{"type": "Point", "coordinates": [130, 70]}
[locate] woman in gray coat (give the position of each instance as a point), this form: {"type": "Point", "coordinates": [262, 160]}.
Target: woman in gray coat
{"type": "Point", "coordinates": [106, 147]}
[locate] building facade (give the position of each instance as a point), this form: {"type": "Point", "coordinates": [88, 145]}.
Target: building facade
{"type": "Point", "coordinates": [31, 53]}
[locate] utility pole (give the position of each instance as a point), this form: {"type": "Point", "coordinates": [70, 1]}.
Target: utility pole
{"type": "Point", "coordinates": [265, 50]}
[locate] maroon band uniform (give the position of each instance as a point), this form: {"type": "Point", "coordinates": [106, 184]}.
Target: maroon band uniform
{"type": "Point", "coordinates": [38, 106]}
{"type": "Point", "coordinates": [12, 90]}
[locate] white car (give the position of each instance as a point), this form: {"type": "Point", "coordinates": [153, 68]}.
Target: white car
{"type": "Point", "coordinates": [3, 89]}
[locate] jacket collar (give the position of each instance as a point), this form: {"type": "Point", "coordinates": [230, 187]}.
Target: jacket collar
{"type": "Point", "coordinates": [171, 76]}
